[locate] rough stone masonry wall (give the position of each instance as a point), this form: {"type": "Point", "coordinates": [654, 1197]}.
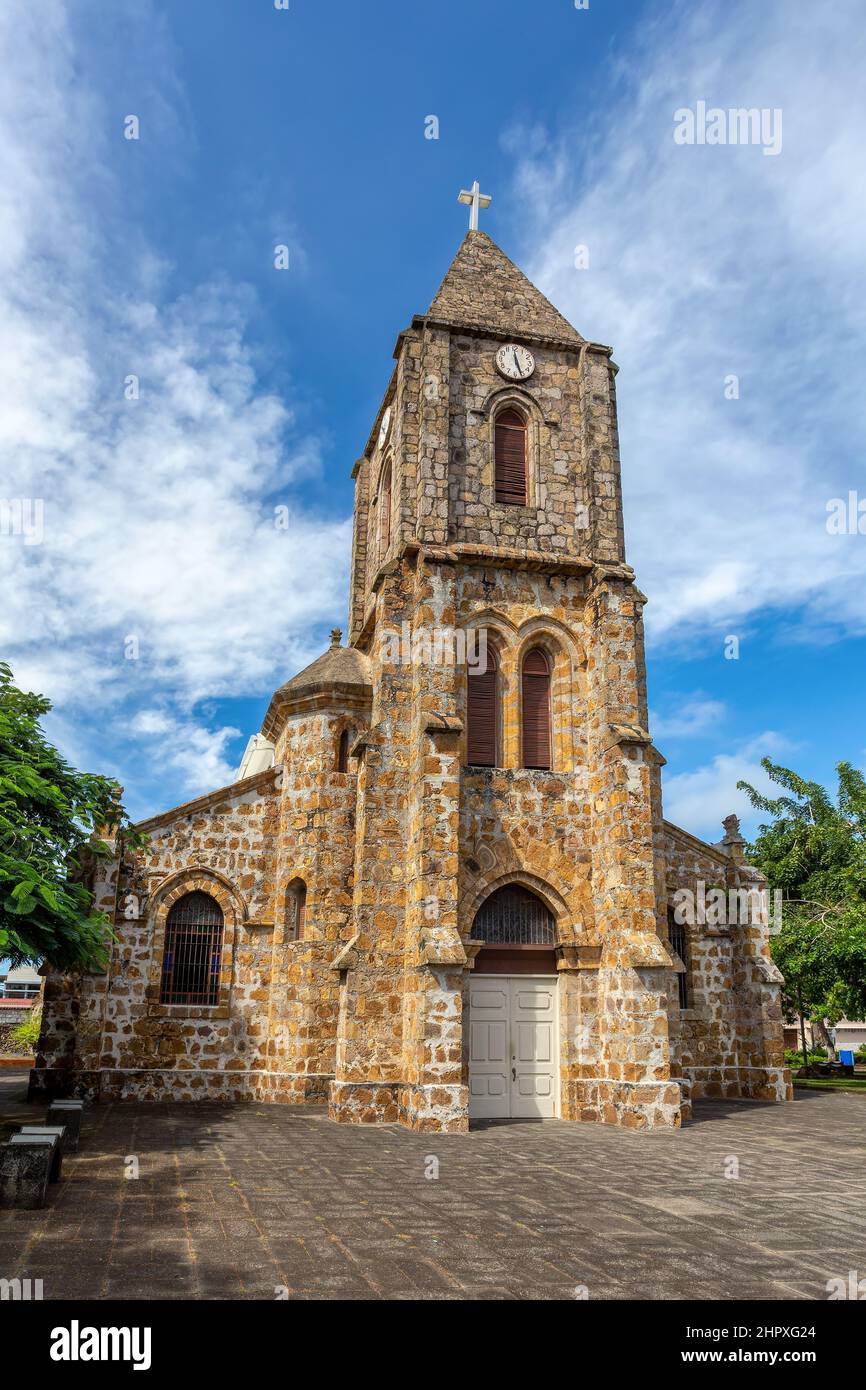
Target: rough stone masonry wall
{"type": "Point", "coordinates": [108, 1034]}
{"type": "Point", "coordinates": [370, 970]}
{"type": "Point", "coordinates": [316, 845]}
{"type": "Point", "coordinates": [729, 1040]}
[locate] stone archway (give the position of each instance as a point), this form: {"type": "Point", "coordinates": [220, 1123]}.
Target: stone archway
{"type": "Point", "coordinates": [518, 931]}
{"type": "Point", "coordinates": [512, 1023]}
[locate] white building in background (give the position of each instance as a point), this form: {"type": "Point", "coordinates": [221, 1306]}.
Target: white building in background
{"type": "Point", "coordinates": [849, 1035]}
{"type": "Point", "coordinates": [21, 983]}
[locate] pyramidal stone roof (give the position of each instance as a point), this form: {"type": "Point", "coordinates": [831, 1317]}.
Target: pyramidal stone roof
{"type": "Point", "coordinates": [484, 289]}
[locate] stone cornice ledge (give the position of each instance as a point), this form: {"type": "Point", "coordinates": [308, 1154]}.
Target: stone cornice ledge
{"type": "Point", "coordinates": [444, 724]}
{"type": "Point", "coordinates": [503, 557]}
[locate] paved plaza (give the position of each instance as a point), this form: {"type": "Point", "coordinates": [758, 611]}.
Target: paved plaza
{"type": "Point", "coordinates": [238, 1201]}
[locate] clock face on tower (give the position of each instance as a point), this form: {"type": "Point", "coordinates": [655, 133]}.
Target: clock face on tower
{"type": "Point", "coordinates": [516, 363]}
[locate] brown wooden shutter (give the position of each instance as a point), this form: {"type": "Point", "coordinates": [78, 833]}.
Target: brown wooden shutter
{"type": "Point", "coordinates": [385, 509]}
{"type": "Point", "coordinates": [302, 910]}
{"type": "Point", "coordinates": [481, 715]}
{"type": "Point", "coordinates": [536, 710]}
{"type": "Point", "coordinates": [297, 909]}
{"type": "Point", "coordinates": [343, 752]}
{"type": "Point", "coordinates": [510, 450]}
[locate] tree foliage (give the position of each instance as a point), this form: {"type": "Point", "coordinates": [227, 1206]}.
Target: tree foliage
{"type": "Point", "coordinates": [51, 817]}
{"type": "Point", "coordinates": [814, 850]}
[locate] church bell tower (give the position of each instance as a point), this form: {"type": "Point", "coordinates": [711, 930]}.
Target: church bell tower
{"type": "Point", "coordinates": [509, 851]}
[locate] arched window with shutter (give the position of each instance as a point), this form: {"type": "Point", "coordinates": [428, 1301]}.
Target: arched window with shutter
{"type": "Point", "coordinates": [385, 509]}
{"type": "Point", "coordinates": [296, 909]}
{"type": "Point", "coordinates": [343, 752]}
{"type": "Point", "coordinates": [535, 692]}
{"type": "Point", "coordinates": [509, 443]}
{"type": "Point", "coordinates": [193, 951]}
{"type": "Point", "coordinates": [482, 713]}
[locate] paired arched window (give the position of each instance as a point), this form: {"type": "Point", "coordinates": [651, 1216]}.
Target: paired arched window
{"type": "Point", "coordinates": [535, 701]}
{"type": "Point", "coordinates": [510, 451]}
{"type": "Point", "coordinates": [483, 699]}
{"type": "Point", "coordinates": [193, 951]}
{"type": "Point", "coordinates": [385, 509]}
{"type": "Point", "coordinates": [296, 909]}
{"type": "Point", "coordinates": [481, 714]}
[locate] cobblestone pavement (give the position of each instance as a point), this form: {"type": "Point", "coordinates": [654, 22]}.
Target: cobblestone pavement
{"type": "Point", "coordinates": [233, 1201]}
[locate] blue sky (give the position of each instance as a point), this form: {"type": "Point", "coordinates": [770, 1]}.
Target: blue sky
{"type": "Point", "coordinates": [155, 258]}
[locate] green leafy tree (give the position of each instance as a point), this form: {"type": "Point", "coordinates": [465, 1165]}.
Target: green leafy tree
{"type": "Point", "coordinates": [51, 817]}
{"type": "Point", "coordinates": [814, 850]}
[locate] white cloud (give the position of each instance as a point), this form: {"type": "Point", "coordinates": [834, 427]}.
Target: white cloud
{"type": "Point", "coordinates": [159, 512]}
{"type": "Point", "coordinates": [711, 261]}
{"type": "Point", "coordinates": [699, 800]}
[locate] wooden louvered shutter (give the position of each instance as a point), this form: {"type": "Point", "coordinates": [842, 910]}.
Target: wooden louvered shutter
{"type": "Point", "coordinates": [301, 900]}
{"type": "Point", "coordinates": [481, 715]}
{"type": "Point", "coordinates": [343, 752]}
{"type": "Point", "coordinates": [510, 452]}
{"type": "Point", "coordinates": [536, 710]}
{"type": "Point", "coordinates": [385, 510]}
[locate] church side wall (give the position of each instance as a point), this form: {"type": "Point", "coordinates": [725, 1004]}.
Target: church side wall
{"type": "Point", "coordinates": [728, 1041]}
{"type": "Point", "coordinates": [131, 1044]}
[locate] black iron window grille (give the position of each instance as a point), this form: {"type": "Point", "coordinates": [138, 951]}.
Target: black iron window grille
{"type": "Point", "coordinates": [680, 942]}
{"type": "Point", "coordinates": [193, 951]}
{"type": "Point", "coordinates": [513, 916]}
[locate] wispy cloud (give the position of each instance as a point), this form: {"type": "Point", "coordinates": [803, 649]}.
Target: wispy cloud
{"type": "Point", "coordinates": [137, 416]}
{"type": "Point", "coordinates": [712, 262]}
{"type": "Point", "coordinates": [689, 717]}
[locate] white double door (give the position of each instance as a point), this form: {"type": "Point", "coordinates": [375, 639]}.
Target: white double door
{"type": "Point", "coordinates": [513, 1047]}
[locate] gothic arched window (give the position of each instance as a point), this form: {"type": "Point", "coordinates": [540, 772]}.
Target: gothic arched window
{"type": "Point", "coordinates": [296, 909]}
{"type": "Point", "coordinates": [535, 692]}
{"type": "Point", "coordinates": [343, 752]}
{"type": "Point", "coordinates": [509, 447]}
{"type": "Point", "coordinates": [482, 713]}
{"type": "Point", "coordinates": [514, 916]}
{"type": "Point", "coordinates": [193, 951]}
{"type": "Point", "coordinates": [385, 509]}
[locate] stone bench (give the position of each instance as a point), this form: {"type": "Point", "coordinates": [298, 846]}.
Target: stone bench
{"type": "Point", "coordinates": [67, 1113]}
{"type": "Point", "coordinates": [37, 1132]}
{"type": "Point", "coordinates": [28, 1162]}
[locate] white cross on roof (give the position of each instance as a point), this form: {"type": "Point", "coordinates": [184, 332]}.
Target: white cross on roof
{"type": "Point", "coordinates": [475, 199]}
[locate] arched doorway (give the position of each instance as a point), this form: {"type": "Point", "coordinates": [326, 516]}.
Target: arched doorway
{"type": "Point", "coordinates": [514, 1009]}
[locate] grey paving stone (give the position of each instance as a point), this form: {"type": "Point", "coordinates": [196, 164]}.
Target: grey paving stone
{"type": "Point", "coordinates": [233, 1201]}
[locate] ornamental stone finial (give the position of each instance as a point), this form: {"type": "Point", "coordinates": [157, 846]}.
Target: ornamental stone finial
{"type": "Point", "coordinates": [336, 636]}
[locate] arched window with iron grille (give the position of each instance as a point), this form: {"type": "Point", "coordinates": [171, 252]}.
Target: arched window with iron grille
{"type": "Point", "coordinates": [535, 698]}
{"type": "Point", "coordinates": [680, 942]}
{"type": "Point", "coordinates": [193, 951]}
{"type": "Point", "coordinates": [514, 916]}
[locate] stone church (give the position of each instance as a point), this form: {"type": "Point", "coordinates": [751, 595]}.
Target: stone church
{"type": "Point", "coordinates": [442, 887]}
